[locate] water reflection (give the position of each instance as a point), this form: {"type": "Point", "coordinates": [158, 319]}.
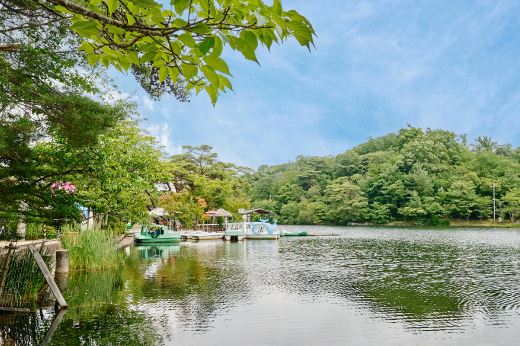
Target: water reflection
{"type": "Point", "coordinates": [370, 285]}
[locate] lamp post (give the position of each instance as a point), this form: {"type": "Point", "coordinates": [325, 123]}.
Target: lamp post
{"type": "Point", "coordinates": [494, 207]}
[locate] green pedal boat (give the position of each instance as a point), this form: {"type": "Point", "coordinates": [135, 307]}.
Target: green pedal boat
{"type": "Point", "coordinates": [157, 234]}
{"type": "Point", "coordinates": [284, 233]}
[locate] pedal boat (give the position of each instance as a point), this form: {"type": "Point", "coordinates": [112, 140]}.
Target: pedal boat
{"type": "Point", "coordinates": [235, 231]}
{"type": "Point", "coordinates": [157, 234]}
{"type": "Point", "coordinates": [262, 230]}
{"type": "Point", "coordinates": [207, 236]}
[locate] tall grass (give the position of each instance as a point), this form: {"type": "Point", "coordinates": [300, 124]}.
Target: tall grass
{"type": "Point", "coordinates": [94, 248]}
{"type": "Point", "coordinates": [39, 231]}
{"type": "Point", "coordinates": [24, 280]}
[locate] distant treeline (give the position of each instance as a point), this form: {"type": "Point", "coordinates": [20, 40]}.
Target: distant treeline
{"type": "Point", "coordinates": [413, 175]}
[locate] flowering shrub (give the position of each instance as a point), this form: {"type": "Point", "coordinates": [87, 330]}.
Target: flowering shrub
{"type": "Point", "coordinates": [67, 187]}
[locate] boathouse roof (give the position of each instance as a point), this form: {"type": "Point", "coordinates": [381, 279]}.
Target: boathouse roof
{"type": "Point", "coordinates": [256, 210]}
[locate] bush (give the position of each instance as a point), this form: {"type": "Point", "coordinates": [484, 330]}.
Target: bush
{"type": "Point", "coordinates": [8, 229]}
{"type": "Point", "coordinates": [117, 228]}
{"type": "Point", "coordinates": [40, 231]}
{"type": "Point", "coordinates": [444, 223]}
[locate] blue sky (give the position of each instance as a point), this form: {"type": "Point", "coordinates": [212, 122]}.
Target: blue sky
{"type": "Point", "coordinates": [377, 66]}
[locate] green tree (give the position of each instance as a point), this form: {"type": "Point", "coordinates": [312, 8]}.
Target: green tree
{"type": "Point", "coordinates": [185, 40]}
{"type": "Point", "coordinates": [346, 202]}
{"type": "Point", "coordinates": [483, 206]}
{"type": "Point", "coordinates": [512, 203]}
{"type": "Point", "coordinates": [290, 213]}
{"type": "Point", "coordinates": [462, 198]}
{"type": "Point", "coordinates": [379, 213]}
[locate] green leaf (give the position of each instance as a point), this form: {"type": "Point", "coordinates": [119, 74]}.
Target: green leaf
{"type": "Point", "coordinates": [179, 23]}
{"type": "Point", "coordinates": [224, 38]}
{"type": "Point", "coordinates": [224, 82]}
{"type": "Point", "coordinates": [278, 20]}
{"type": "Point", "coordinates": [250, 38]}
{"type": "Point", "coordinates": [132, 57]}
{"type": "Point", "coordinates": [270, 33]}
{"type": "Point", "coordinates": [115, 30]}
{"type": "Point", "coordinates": [174, 74]}
{"type": "Point", "coordinates": [146, 3]}
{"type": "Point", "coordinates": [303, 41]}
{"type": "Point", "coordinates": [301, 29]}
{"type": "Point", "coordinates": [189, 71]}
{"type": "Point", "coordinates": [63, 9]}
{"type": "Point", "coordinates": [190, 86]}
{"type": "Point", "coordinates": [104, 61]}
{"type": "Point", "coordinates": [147, 57]}
{"type": "Point", "coordinates": [177, 48]}
{"type": "Point", "coordinates": [123, 61]}
{"type": "Point", "coordinates": [87, 47]}
{"type": "Point", "coordinates": [180, 5]}
{"type": "Point", "coordinates": [218, 65]}
{"type": "Point", "coordinates": [217, 48]}
{"type": "Point", "coordinates": [200, 28]}
{"type": "Point", "coordinates": [83, 25]}
{"type": "Point", "coordinates": [112, 5]}
{"type": "Point", "coordinates": [151, 47]}
{"type": "Point", "coordinates": [260, 20]}
{"type": "Point", "coordinates": [134, 9]}
{"type": "Point", "coordinates": [206, 45]}
{"type": "Point", "coordinates": [212, 93]}
{"type": "Point", "coordinates": [296, 16]}
{"type": "Point", "coordinates": [163, 73]}
{"type": "Point", "coordinates": [211, 75]}
{"type": "Point", "coordinates": [93, 59]}
{"type": "Point", "coordinates": [187, 40]}
{"type": "Point", "coordinates": [243, 47]}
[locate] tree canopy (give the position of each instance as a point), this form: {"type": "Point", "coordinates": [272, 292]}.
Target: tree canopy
{"type": "Point", "coordinates": [184, 42]}
{"type": "Point", "coordinates": [413, 174]}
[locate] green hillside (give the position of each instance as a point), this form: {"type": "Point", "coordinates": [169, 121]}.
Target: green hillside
{"type": "Point", "coordinates": [412, 175]}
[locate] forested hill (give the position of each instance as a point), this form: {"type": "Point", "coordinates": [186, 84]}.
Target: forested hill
{"type": "Point", "coordinates": [410, 175]}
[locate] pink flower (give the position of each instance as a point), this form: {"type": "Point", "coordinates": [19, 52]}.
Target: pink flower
{"type": "Point", "coordinates": [67, 187]}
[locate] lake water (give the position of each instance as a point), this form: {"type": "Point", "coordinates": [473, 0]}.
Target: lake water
{"type": "Point", "coordinates": [366, 286]}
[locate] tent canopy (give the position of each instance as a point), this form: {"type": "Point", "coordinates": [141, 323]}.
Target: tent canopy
{"type": "Point", "coordinates": [219, 212]}
{"type": "Point", "coordinates": [161, 212]}
{"type": "Point", "coordinates": [257, 210]}
{"type": "Point", "coordinates": [223, 212]}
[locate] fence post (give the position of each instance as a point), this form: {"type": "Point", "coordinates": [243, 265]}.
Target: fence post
{"type": "Point", "coordinates": [62, 261]}
{"type": "Point", "coordinates": [6, 265]}
{"type": "Point", "coordinates": [62, 269]}
{"type": "Point", "coordinates": [47, 275]}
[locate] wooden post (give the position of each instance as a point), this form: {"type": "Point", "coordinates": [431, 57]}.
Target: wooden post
{"type": "Point", "coordinates": [47, 275]}
{"type": "Point", "coordinates": [6, 266]}
{"type": "Point", "coordinates": [62, 261]}
{"type": "Point", "coordinates": [53, 327]}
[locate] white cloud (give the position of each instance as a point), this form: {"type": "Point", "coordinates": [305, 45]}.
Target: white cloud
{"type": "Point", "coordinates": [148, 103]}
{"type": "Point", "coordinates": [165, 112]}
{"type": "Point", "coordinates": [162, 133]}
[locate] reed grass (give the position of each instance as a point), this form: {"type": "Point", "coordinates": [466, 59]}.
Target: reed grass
{"type": "Point", "coordinates": [92, 249]}
{"type": "Point", "coordinates": [35, 231]}
{"type": "Point", "coordinates": [24, 279]}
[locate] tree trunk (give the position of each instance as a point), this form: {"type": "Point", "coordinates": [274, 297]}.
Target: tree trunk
{"type": "Point", "coordinates": [151, 199]}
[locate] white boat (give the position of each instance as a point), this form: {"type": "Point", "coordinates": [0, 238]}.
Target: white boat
{"type": "Point", "coordinates": [235, 231]}
{"type": "Point", "coordinates": [189, 234]}
{"type": "Point", "coordinates": [252, 230]}
{"type": "Point", "coordinates": [207, 236]}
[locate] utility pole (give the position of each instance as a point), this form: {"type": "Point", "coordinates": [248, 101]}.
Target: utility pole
{"type": "Point", "coordinates": [494, 208]}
